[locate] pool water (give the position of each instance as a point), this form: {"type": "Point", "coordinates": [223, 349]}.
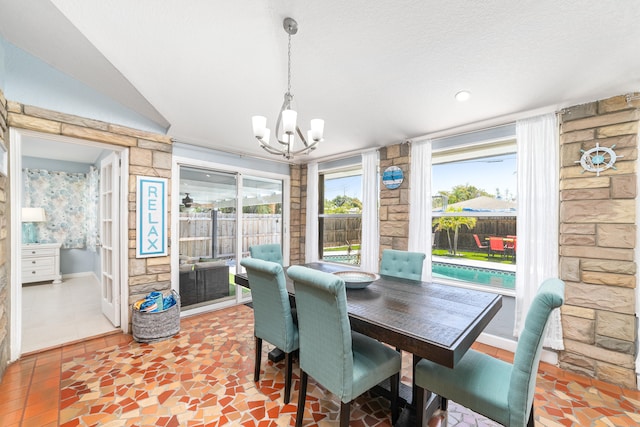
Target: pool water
{"type": "Point", "coordinates": [476, 275]}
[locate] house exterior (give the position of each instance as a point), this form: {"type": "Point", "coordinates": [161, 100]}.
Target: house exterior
{"type": "Point", "coordinates": [597, 235]}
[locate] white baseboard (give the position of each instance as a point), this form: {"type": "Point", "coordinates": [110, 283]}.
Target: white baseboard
{"type": "Point", "coordinates": [81, 274]}
{"type": "Point", "coordinates": [547, 356]}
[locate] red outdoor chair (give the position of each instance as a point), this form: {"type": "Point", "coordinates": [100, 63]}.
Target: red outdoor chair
{"type": "Point", "coordinates": [480, 245]}
{"type": "Point", "coordinates": [496, 244]}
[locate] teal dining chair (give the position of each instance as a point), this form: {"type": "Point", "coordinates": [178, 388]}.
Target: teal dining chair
{"type": "Point", "coordinates": [343, 361]}
{"type": "Point", "coordinates": [273, 320]}
{"type": "Point", "coordinates": [402, 264]}
{"type": "Point", "coordinates": [267, 252]}
{"type": "Point", "coordinates": [496, 389]}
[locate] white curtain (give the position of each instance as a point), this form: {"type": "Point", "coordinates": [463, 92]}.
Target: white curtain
{"type": "Point", "coordinates": [311, 236]}
{"type": "Point", "coordinates": [538, 217]}
{"type": "Point", "coordinates": [420, 203]}
{"type": "Point", "coordinates": [370, 245]}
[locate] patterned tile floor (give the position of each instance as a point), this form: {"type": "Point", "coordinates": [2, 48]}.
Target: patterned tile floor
{"type": "Point", "coordinates": [204, 376]}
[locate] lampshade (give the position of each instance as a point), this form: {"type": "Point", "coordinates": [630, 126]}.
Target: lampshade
{"type": "Point", "coordinates": [33, 215]}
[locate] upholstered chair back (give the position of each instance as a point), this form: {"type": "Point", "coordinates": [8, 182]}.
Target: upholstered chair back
{"type": "Point", "coordinates": [402, 264]}
{"type": "Point", "coordinates": [268, 252]}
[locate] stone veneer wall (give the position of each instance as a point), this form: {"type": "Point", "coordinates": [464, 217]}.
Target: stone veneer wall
{"type": "Point", "coordinates": [597, 242]}
{"type": "Point", "coordinates": [298, 214]}
{"type": "Point", "coordinates": [394, 204]}
{"type": "Point", "coordinates": [150, 154]}
{"type": "Point", "coordinates": [4, 249]}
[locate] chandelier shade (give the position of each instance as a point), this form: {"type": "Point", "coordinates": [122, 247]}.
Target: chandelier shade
{"type": "Point", "coordinates": [286, 123]}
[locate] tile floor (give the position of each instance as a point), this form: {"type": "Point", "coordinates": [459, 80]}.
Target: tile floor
{"type": "Point", "coordinates": [204, 376]}
{"type": "Point", "coordinates": [57, 314]}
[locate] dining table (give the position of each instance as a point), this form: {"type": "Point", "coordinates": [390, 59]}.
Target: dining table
{"type": "Point", "coordinates": [430, 320]}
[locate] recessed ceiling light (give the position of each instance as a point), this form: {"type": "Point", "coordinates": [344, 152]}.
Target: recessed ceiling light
{"type": "Point", "coordinates": [463, 95]}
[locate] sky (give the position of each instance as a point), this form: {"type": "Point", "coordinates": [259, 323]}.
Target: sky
{"type": "Point", "coordinates": [488, 174]}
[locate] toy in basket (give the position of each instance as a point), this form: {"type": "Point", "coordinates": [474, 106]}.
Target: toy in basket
{"type": "Point", "coordinates": [156, 317]}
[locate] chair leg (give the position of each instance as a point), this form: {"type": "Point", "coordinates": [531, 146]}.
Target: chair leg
{"type": "Point", "coordinates": [419, 403]}
{"type": "Point", "coordinates": [288, 359]}
{"type": "Point", "coordinates": [395, 390]}
{"type": "Point", "coordinates": [345, 412]}
{"type": "Point", "coordinates": [531, 421]}
{"type": "Point", "coordinates": [256, 371]}
{"type": "Point", "coordinates": [302, 397]}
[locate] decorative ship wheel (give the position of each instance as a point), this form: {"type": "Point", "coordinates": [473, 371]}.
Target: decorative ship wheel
{"type": "Point", "coordinates": [598, 159]}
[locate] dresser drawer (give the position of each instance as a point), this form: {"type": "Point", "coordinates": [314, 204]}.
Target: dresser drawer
{"type": "Point", "coordinates": [42, 270]}
{"type": "Point", "coordinates": [39, 252]}
{"type": "Point", "coordinates": [28, 263]}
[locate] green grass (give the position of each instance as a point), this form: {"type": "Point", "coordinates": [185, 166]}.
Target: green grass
{"type": "Point", "coordinates": [475, 256]}
{"type": "Point", "coordinates": [341, 248]}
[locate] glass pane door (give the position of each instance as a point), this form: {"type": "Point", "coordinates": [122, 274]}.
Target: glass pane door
{"type": "Point", "coordinates": [261, 214]}
{"type": "Point", "coordinates": [207, 236]}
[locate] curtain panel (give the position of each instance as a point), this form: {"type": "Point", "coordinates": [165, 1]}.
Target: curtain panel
{"type": "Point", "coordinates": [370, 245]}
{"type": "Point", "coordinates": [420, 227]}
{"type": "Point", "coordinates": [538, 217]}
{"type": "Point", "coordinates": [70, 202]}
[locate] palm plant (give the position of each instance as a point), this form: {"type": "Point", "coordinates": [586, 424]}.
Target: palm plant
{"type": "Point", "coordinates": [448, 223]}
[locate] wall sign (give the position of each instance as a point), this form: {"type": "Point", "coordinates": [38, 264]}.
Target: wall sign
{"type": "Point", "coordinates": [151, 218]}
{"type": "Point", "coordinates": [392, 177]}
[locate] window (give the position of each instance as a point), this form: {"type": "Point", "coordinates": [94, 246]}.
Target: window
{"type": "Point", "coordinates": [474, 192]}
{"type": "Point", "coordinates": [340, 227]}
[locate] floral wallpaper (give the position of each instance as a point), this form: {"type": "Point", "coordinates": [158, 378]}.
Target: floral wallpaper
{"type": "Point", "coordinates": [70, 202]}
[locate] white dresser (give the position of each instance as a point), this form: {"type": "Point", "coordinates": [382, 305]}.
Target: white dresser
{"type": "Point", "coordinates": [41, 262]}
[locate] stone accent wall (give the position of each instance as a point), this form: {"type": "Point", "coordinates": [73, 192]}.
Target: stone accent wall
{"type": "Point", "coordinates": [150, 154]}
{"type": "Point", "coordinates": [597, 242]}
{"type": "Point", "coordinates": [4, 247]}
{"type": "Point", "coordinates": [298, 214]}
{"type": "Point", "coordinates": [394, 204]}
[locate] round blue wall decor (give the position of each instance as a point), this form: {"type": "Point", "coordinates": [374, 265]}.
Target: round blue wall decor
{"type": "Point", "coordinates": [392, 177]}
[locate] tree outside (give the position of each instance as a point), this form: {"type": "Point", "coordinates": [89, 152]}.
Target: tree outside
{"type": "Point", "coordinates": [453, 223]}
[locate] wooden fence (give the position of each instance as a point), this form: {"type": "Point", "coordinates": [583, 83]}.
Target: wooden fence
{"type": "Point", "coordinates": [340, 230]}
{"type": "Point", "coordinates": [485, 227]}
{"type": "Point", "coordinates": [213, 234]}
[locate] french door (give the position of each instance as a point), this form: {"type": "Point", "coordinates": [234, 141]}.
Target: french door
{"type": "Point", "coordinates": [109, 234]}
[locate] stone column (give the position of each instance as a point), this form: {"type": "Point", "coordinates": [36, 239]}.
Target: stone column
{"type": "Point", "coordinates": [597, 241]}
{"type": "Point", "coordinates": [394, 204]}
{"type": "Point", "coordinates": [297, 214]}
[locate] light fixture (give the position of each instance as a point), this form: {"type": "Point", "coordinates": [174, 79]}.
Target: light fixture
{"type": "Point", "coordinates": [463, 95]}
{"type": "Point", "coordinates": [286, 126]}
{"type": "Point", "coordinates": [187, 201]}
{"type": "Point", "coordinates": [29, 217]}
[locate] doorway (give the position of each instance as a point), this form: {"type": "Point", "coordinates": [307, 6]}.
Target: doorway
{"type": "Point", "coordinates": [63, 177]}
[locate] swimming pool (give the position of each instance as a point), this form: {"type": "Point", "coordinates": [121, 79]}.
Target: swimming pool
{"type": "Point", "coordinates": [477, 275]}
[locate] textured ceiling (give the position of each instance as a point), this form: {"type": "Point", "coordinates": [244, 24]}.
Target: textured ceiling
{"type": "Point", "coordinates": [378, 72]}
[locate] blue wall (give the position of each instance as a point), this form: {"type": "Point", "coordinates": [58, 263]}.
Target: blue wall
{"type": "Point", "coordinates": [31, 81]}
{"type": "Point", "coordinates": [234, 160]}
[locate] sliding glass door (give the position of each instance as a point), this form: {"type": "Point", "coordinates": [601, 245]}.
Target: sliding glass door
{"type": "Point", "coordinates": [221, 215]}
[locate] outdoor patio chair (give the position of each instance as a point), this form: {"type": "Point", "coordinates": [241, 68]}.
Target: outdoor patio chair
{"type": "Point", "coordinates": [343, 361]}
{"type": "Point", "coordinates": [273, 320]}
{"type": "Point", "coordinates": [267, 252]}
{"type": "Point", "coordinates": [480, 245]}
{"type": "Point", "coordinates": [402, 264]}
{"type": "Point", "coordinates": [496, 389]}
{"type": "Point", "coordinates": [496, 245]}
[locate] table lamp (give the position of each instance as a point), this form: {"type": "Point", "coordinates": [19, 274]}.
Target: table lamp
{"type": "Point", "coordinates": [29, 217]}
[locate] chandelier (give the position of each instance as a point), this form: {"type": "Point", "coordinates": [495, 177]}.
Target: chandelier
{"type": "Point", "coordinates": [286, 126]}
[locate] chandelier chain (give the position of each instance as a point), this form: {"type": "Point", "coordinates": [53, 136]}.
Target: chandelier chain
{"type": "Point", "coordinates": [289, 68]}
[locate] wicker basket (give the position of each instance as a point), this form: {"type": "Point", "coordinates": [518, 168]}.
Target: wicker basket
{"type": "Point", "coordinates": [156, 326]}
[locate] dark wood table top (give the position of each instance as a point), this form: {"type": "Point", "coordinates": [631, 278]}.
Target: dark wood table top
{"type": "Point", "coordinates": [433, 321]}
